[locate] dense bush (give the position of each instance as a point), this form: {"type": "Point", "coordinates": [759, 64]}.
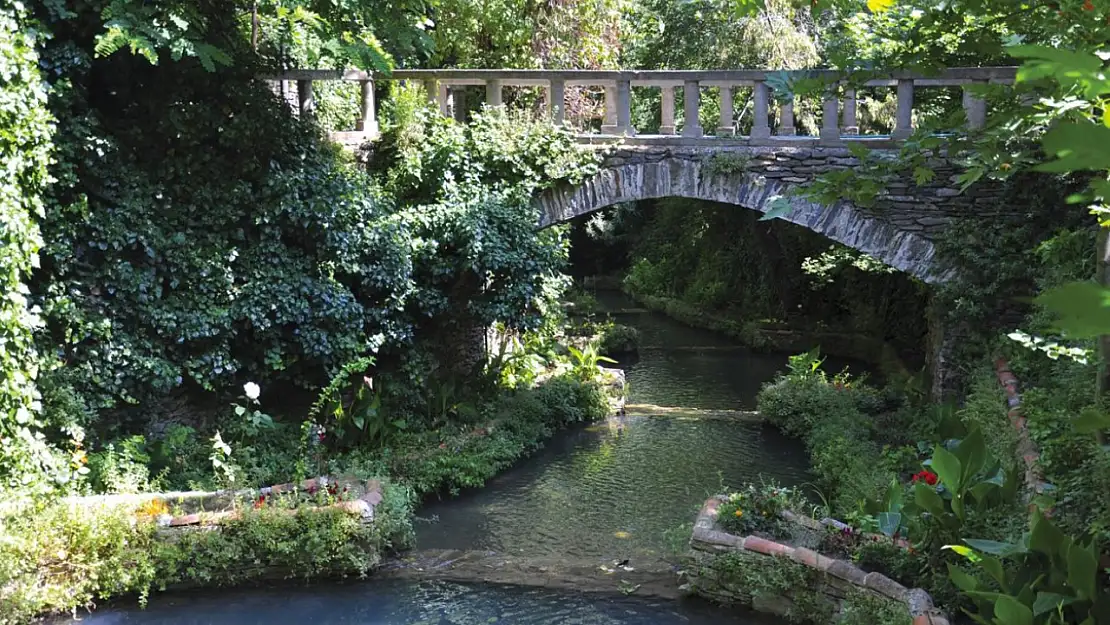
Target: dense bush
{"type": "Point", "coordinates": [836, 417]}
{"type": "Point", "coordinates": [618, 339]}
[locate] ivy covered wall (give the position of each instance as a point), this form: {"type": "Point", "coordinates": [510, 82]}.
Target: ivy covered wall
{"type": "Point", "coordinates": [25, 144]}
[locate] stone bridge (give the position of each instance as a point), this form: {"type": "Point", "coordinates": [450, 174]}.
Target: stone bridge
{"type": "Point", "coordinates": [683, 159]}
{"type": "Point", "coordinates": [898, 230]}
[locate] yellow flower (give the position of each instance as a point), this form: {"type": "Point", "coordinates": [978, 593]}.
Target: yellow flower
{"type": "Point", "coordinates": [878, 6]}
{"type": "Point", "coordinates": [739, 512]}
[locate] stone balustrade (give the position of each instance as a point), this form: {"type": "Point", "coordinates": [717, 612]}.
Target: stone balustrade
{"type": "Point", "coordinates": [838, 113]}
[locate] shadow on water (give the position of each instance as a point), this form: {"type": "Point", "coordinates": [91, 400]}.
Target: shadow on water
{"type": "Point", "coordinates": [626, 488]}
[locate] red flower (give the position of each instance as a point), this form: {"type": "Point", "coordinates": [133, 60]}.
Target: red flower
{"type": "Point", "coordinates": [1088, 6]}
{"type": "Point", "coordinates": [260, 502]}
{"type": "Point", "coordinates": [928, 476]}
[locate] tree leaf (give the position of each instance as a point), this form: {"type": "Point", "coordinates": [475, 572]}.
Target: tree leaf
{"type": "Point", "coordinates": [994, 547]}
{"type": "Point", "coordinates": [1009, 611]}
{"type": "Point", "coordinates": [777, 207]}
{"type": "Point", "coordinates": [1091, 420]}
{"type": "Point", "coordinates": [1082, 309]}
{"type": "Point", "coordinates": [947, 467]}
{"type": "Point", "coordinates": [962, 579]}
{"type": "Point", "coordinates": [1083, 571]}
{"type": "Point", "coordinates": [1049, 602]}
{"type": "Point", "coordinates": [926, 496]}
{"type": "Point", "coordinates": [889, 522]}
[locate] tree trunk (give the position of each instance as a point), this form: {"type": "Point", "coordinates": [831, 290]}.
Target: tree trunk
{"type": "Point", "coordinates": [1102, 275]}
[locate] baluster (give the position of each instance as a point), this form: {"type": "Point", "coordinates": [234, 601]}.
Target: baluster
{"type": "Point", "coordinates": [305, 102]}
{"type": "Point", "coordinates": [786, 118]}
{"type": "Point", "coordinates": [691, 96]}
{"type": "Point", "coordinates": [903, 124]}
{"type": "Point", "coordinates": [458, 103]}
{"type": "Point", "coordinates": [725, 127]}
{"type": "Point", "coordinates": [851, 126]}
{"type": "Point", "coordinates": [666, 126]}
{"type": "Point", "coordinates": [441, 99]}
{"type": "Point", "coordinates": [368, 122]}
{"type": "Point", "coordinates": [609, 124]}
{"type": "Point", "coordinates": [431, 91]}
{"type": "Point", "coordinates": [556, 94]}
{"type": "Point", "coordinates": [761, 129]}
{"type": "Point", "coordinates": [975, 107]}
{"type": "Point", "coordinates": [624, 108]}
{"type": "Point", "coordinates": [830, 129]}
{"type": "Point", "coordinates": [493, 92]}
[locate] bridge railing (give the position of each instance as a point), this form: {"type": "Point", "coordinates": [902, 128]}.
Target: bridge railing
{"type": "Point", "coordinates": [838, 111]}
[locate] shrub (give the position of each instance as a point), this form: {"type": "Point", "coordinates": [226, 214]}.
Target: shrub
{"type": "Point", "coordinates": [836, 417]}
{"type": "Point", "coordinates": [754, 509]}
{"type": "Point", "coordinates": [56, 557]}
{"type": "Point", "coordinates": [866, 608]}
{"type": "Point", "coordinates": [619, 339]}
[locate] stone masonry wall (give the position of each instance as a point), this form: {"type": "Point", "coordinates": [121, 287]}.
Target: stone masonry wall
{"type": "Point", "coordinates": [839, 578]}
{"type": "Point", "coordinates": [924, 208]}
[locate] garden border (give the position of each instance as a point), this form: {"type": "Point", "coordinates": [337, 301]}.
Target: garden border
{"type": "Point", "coordinates": [707, 536]}
{"type": "Point", "coordinates": [1030, 455]}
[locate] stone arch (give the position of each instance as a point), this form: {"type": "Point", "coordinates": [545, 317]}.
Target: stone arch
{"type": "Point", "coordinates": [842, 222]}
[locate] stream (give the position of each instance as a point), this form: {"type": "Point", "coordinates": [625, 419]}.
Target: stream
{"type": "Point", "coordinates": [627, 488]}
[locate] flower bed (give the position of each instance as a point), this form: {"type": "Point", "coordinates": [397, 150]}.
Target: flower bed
{"type": "Point", "coordinates": [793, 580]}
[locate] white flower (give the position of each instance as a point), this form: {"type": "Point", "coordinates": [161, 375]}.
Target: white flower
{"type": "Point", "coordinates": [252, 390]}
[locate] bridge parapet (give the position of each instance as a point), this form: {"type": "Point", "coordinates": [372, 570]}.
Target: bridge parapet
{"type": "Point", "coordinates": [839, 122]}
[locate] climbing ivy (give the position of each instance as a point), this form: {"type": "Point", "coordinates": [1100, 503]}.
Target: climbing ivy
{"type": "Point", "coordinates": [25, 142]}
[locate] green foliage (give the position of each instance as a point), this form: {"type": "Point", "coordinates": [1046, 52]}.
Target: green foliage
{"type": "Point", "coordinates": [835, 417]}
{"type": "Point", "coordinates": [756, 577]}
{"type": "Point", "coordinates": [1052, 579]}
{"type": "Point", "coordinates": [55, 557]}
{"type": "Point", "coordinates": [58, 557]}
{"type": "Point", "coordinates": [866, 607]}
{"type": "Point", "coordinates": [723, 260]}
{"type": "Point", "coordinates": [26, 130]}
{"type": "Point", "coordinates": [147, 29]}
{"type": "Point", "coordinates": [968, 476]}
{"type": "Point", "coordinates": [754, 509]}
{"type": "Point", "coordinates": [584, 361]}
{"type": "Point", "coordinates": [618, 338]}
{"type": "Point", "coordinates": [457, 456]}
{"type": "Point", "coordinates": [307, 544]}
{"type": "Point", "coordinates": [122, 470]}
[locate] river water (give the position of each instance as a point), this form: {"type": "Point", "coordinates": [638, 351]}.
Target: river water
{"type": "Point", "coordinates": [624, 489]}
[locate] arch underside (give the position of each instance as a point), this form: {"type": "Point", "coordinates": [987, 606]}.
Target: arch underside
{"type": "Point", "coordinates": [842, 222]}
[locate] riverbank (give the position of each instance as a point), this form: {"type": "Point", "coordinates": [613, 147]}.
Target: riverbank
{"type": "Point", "coordinates": [72, 553]}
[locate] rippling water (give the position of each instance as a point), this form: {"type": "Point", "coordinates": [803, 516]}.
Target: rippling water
{"type": "Point", "coordinates": [611, 491]}
{"type": "Point", "coordinates": [390, 602]}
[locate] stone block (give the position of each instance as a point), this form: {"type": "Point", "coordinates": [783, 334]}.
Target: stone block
{"type": "Point", "coordinates": [847, 572]}
{"type": "Point", "coordinates": [885, 586]}
{"type": "Point", "coordinates": [767, 547]}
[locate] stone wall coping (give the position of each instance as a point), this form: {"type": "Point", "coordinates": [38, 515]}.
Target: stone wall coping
{"type": "Point", "coordinates": [638, 77]}
{"type": "Point", "coordinates": [1026, 448]}
{"type": "Point", "coordinates": [707, 536]}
